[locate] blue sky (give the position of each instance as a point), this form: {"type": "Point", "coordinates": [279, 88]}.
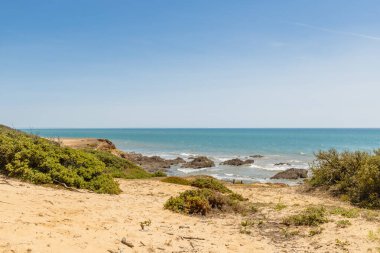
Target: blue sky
{"type": "Point", "coordinates": [162, 63]}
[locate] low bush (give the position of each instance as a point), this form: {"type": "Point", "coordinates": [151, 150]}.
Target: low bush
{"type": "Point", "coordinates": [203, 201]}
{"type": "Point", "coordinates": [343, 223]}
{"type": "Point", "coordinates": [345, 212]}
{"type": "Point", "coordinates": [176, 180]}
{"type": "Point", "coordinates": [210, 183]}
{"type": "Point", "coordinates": [315, 231]}
{"type": "Point", "coordinates": [119, 167]}
{"type": "Point", "coordinates": [311, 216]}
{"type": "Point", "coordinates": [351, 175]}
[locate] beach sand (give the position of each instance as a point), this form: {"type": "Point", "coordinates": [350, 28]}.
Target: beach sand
{"type": "Point", "coordinates": [43, 219]}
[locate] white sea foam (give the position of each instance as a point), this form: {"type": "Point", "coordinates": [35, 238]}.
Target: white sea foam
{"type": "Point", "coordinates": [188, 154]}
{"type": "Point", "coordinates": [190, 170]}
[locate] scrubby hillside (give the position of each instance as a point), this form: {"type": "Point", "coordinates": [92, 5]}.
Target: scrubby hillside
{"type": "Point", "coordinates": [41, 161]}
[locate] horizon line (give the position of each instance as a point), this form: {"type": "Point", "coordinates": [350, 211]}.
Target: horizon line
{"type": "Point", "coordinates": [84, 128]}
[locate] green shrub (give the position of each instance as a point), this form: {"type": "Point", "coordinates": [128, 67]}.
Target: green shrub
{"type": "Point", "coordinates": [176, 180]}
{"type": "Point", "coordinates": [311, 216]}
{"type": "Point", "coordinates": [343, 223]}
{"type": "Point", "coordinates": [210, 183]}
{"type": "Point", "coordinates": [345, 212]}
{"type": "Point", "coordinates": [190, 202]}
{"type": "Point", "coordinates": [351, 175]}
{"type": "Point", "coordinates": [315, 231]}
{"type": "Point", "coordinates": [202, 201]}
{"type": "Point", "coordinates": [41, 161]}
{"type": "Point", "coordinates": [279, 206]}
{"type": "Point", "coordinates": [119, 167]}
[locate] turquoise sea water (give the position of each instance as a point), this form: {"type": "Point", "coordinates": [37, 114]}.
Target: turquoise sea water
{"type": "Point", "coordinates": [294, 146]}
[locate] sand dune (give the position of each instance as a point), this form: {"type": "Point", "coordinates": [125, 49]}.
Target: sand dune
{"type": "Point", "coordinates": [40, 219]}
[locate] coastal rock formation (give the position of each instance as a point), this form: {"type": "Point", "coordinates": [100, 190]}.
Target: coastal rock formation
{"type": "Point", "coordinates": [199, 162]}
{"type": "Point", "coordinates": [151, 163]}
{"type": "Point", "coordinates": [282, 164]}
{"type": "Point", "coordinates": [237, 162]}
{"type": "Point", "coordinates": [256, 156]}
{"type": "Point", "coordinates": [105, 145]}
{"type": "Point", "coordinates": [291, 174]}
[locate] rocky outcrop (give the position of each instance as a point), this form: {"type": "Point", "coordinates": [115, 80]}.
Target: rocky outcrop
{"type": "Point", "coordinates": [199, 162]}
{"type": "Point", "coordinates": [256, 156]}
{"type": "Point", "coordinates": [291, 174]}
{"type": "Point", "coordinates": [105, 145]}
{"type": "Point", "coordinates": [237, 162]}
{"type": "Point", "coordinates": [151, 163]}
{"type": "Point", "coordinates": [282, 164]}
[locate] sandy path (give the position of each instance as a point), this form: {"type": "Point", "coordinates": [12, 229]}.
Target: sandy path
{"type": "Point", "coordinates": [40, 219]}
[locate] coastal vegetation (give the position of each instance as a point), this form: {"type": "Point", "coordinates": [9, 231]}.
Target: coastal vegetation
{"type": "Point", "coordinates": [176, 180]}
{"type": "Point", "coordinates": [212, 195]}
{"type": "Point", "coordinates": [203, 201]}
{"type": "Point", "coordinates": [311, 216]}
{"type": "Point", "coordinates": [352, 176]}
{"type": "Point", "coordinates": [41, 161]}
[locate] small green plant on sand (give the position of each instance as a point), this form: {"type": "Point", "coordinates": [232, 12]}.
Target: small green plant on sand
{"type": "Point", "coordinates": [315, 231]}
{"type": "Point", "coordinates": [244, 230]}
{"type": "Point", "coordinates": [247, 223]}
{"type": "Point", "coordinates": [279, 206]}
{"type": "Point", "coordinates": [345, 212]}
{"type": "Point", "coordinates": [145, 223]}
{"type": "Point", "coordinates": [374, 235]}
{"type": "Point", "coordinates": [343, 223]}
{"type": "Point", "coordinates": [311, 216]}
{"type": "Point", "coordinates": [370, 215]}
{"type": "Point", "coordinates": [287, 233]}
{"type": "Point", "coordinates": [342, 244]}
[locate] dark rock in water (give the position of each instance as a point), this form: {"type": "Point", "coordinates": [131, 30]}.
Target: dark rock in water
{"type": "Point", "coordinates": [152, 163]}
{"type": "Point", "coordinates": [256, 156]}
{"type": "Point", "coordinates": [281, 164]}
{"type": "Point", "coordinates": [176, 161]}
{"type": "Point", "coordinates": [291, 174]}
{"type": "Point", "coordinates": [199, 162]}
{"type": "Point", "coordinates": [237, 162]}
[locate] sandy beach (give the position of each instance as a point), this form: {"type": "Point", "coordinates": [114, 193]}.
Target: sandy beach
{"type": "Point", "coordinates": [43, 219]}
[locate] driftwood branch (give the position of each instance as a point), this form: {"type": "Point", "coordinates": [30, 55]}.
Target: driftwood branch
{"type": "Point", "coordinates": [4, 181]}
{"type": "Point", "coordinates": [67, 187]}
{"type": "Point", "coordinates": [192, 238]}
{"type": "Point", "coordinates": [125, 242]}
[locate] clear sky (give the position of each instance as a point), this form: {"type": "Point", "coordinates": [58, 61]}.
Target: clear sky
{"type": "Point", "coordinates": [161, 63]}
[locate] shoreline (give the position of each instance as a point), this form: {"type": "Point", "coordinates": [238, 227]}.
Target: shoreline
{"type": "Point", "coordinates": [173, 165]}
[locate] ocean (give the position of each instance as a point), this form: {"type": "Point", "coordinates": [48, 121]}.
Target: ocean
{"type": "Point", "coordinates": [293, 146]}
